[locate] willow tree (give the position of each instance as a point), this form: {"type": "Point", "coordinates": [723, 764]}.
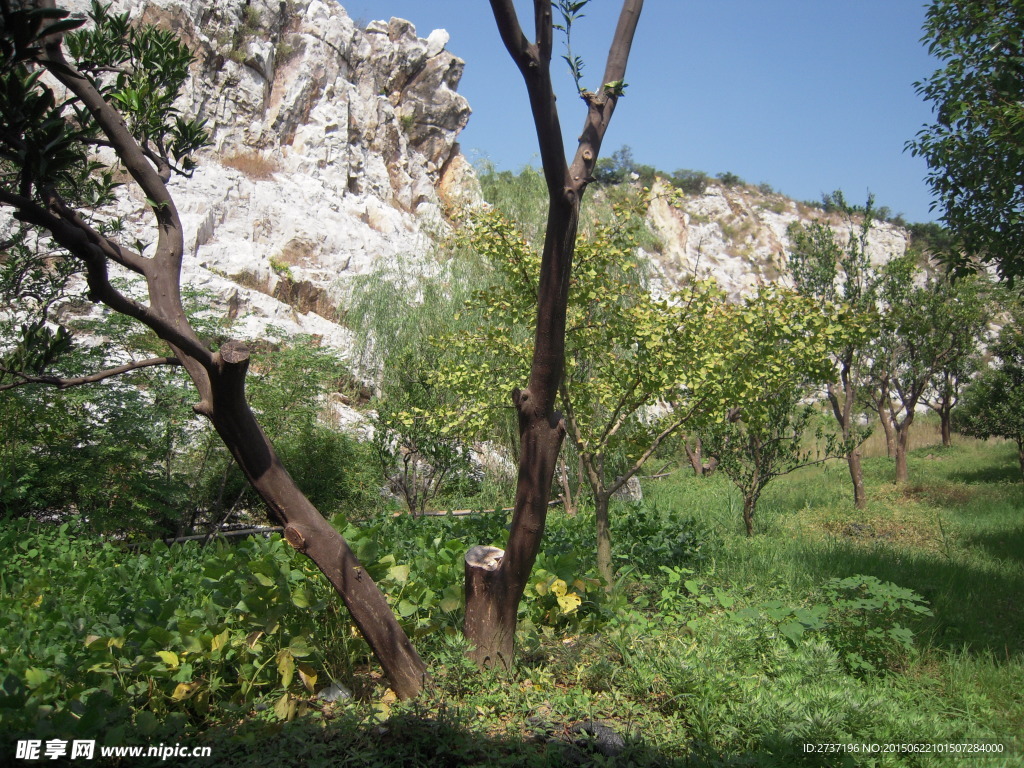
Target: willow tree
{"type": "Point", "coordinates": [74, 108]}
{"type": "Point", "coordinates": [496, 579]}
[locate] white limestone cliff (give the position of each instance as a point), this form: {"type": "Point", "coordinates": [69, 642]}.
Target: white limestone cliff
{"type": "Point", "coordinates": [332, 150]}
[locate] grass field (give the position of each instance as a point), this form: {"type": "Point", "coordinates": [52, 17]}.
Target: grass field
{"type": "Point", "coordinates": [715, 649]}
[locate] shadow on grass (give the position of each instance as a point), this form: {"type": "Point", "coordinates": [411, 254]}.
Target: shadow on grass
{"type": "Point", "coordinates": [349, 741]}
{"type": "Point", "coordinates": [977, 606]}
{"type": "Point", "coordinates": [1003, 474]}
{"type": "Point", "coordinates": [1003, 544]}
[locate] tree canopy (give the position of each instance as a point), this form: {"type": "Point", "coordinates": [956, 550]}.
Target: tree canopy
{"type": "Point", "coordinates": [975, 147]}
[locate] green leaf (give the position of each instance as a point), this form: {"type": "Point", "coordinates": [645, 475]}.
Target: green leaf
{"type": "Point", "coordinates": [170, 658]}
{"type": "Point", "coordinates": [285, 666]}
{"type": "Point", "coordinates": [399, 573]}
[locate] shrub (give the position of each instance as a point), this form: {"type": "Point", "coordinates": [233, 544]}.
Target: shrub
{"type": "Point", "coordinates": [101, 648]}
{"type": "Point", "coordinates": [691, 182]}
{"type": "Point", "coordinates": [864, 622]}
{"type": "Point", "coordinates": [730, 179]}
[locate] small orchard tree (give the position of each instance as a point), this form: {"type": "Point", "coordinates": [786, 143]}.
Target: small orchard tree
{"type": "Point", "coordinates": [755, 446]}
{"type": "Point", "coordinates": [993, 403]}
{"type": "Point", "coordinates": [638, 369]}
{"type": "Point", "coordinates": [829, 271]}
{"type": "Point", "coordinates": [417, 454]}
{"type": "Point", "coordinates": [970, 300]}
{"type": "Point", "coordinates": [762, 434]}
{"type": "Point", "coordinates": [923, 329]}
{"type": "Point", "coordinates": [113, 87]}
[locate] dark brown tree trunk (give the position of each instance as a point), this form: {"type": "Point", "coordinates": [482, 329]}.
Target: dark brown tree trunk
{"type": "Point", "coordinates": [493, 593]}
{"type": "Point", "coordinates": [857, 477]}
{"type": "Point", "coordinates": [945, 422]}
{"type": "Point", "coordinates": [1020, 456]}
{"type": "Point", "coordinates": [902, 447]}
{"type": "Point", "coordinates": [492, 601]}
{"type": "Point", "coordinates": [219, 377]}
{"type": "Point", "coordinates": [305, 528]}
{"type": "Point", "coordinates": [604, 540]}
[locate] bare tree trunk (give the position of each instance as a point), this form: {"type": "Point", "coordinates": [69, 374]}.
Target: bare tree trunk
{"type": "Point", "coordinates": [1020, 456]}
{"type": "Point", "coordinates": [902, 446]}
{"type": "Point", "coordinates": [857, 477]}
{"type": "Point", "coordinates": [885, 419]}
{"type": "Point", "coordinates": [604, 540]}
{"type": "Point", "coordinates": [749, 505]}
{"type": "Point", "coordinates": [304, 527]}
{"type": "Point", "coordinates": [567, 501]}
{"type": "Point", "coordinates": [694, 455]}
{"type": "Point", "coordinates": [493, 601]}
{"type": "Point", "coordinates": [842, 409]}
{"type": "Point", "coordinates": [945, 422]}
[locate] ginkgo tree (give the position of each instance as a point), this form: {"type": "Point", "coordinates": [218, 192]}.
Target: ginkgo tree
{"type": "Point", "coordinates": [638, 367]}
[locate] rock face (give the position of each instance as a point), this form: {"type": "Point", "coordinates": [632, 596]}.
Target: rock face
{"type": "Point", "coordinates": [739, 236]}
{"type": "Point", "coordinates": [331, 149]}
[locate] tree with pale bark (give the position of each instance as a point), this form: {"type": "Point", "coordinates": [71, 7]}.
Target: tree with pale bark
{"type": "Point", "coordinates": [828, 270]}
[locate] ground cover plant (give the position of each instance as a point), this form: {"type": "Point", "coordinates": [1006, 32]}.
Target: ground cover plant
{"type": "Point", "coordinates": [899, 623]}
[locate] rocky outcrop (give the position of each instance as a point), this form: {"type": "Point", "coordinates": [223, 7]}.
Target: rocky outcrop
{"type": "Point", "coordinates": [329, 146]}
{"type": "Point", "coordinates": [739, 236]}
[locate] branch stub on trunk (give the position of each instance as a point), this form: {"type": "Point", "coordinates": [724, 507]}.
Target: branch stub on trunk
{"type": "Point", "coordinates": [234, 352]}
{"type": "Point", "coordinates": [294, 536]}
{"type": "Point", "coordinates": [481, 556]}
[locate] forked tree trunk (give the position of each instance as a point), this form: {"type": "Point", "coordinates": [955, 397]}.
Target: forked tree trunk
{"type": "Point", "coordinates": [694, 455]}
{"type": "Point", "coordinates": [493, 594]}
{"type": "Point", "coordinates": [219, 377]}
{"type": "Point", "coordinates": [842, 401]}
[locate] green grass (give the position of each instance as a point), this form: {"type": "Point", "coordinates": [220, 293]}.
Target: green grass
{"type": "Point", "coordinates": [692, 660]}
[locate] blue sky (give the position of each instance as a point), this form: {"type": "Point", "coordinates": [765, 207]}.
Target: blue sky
{"type": "Point", "coordinates": [806, 95]}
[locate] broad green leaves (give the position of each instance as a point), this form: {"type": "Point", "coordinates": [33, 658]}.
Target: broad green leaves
{"type": "Point", "coordinates": [974, 149]}
{"type": "Point", "coordinates": [149, 67]}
